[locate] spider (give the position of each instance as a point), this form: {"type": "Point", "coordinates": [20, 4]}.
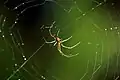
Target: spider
{"type": "Point", "coordinates": [58, 42]}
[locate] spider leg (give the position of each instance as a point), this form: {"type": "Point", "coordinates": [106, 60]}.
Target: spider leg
{"type": "Point", "coordinates": [51, 25]}
{"type": "Point", "coordinates": [50, 29]}
{"type": "Point", "coordinates": [50, 32]}
{"type": "Point", "coordinates": [48, 41]}
{"type": "Point", "coordinates": [55, 43]}
{"type": "Point", "coordinates": [66, 39]}
{"type": "Point", "coordinates": [71, 46]}
{"type": "Point", "coordinates": [68, 56]}
{"type": "Point", "coordinates": [58, 32]}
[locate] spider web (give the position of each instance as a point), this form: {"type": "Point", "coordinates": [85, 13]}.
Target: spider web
{"type": "Point", "coordinates": [90, 22]}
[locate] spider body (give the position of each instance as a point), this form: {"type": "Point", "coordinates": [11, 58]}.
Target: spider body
{"type": "Point", "coordinates": [58, 42]}
{"type": "Point", "coordinates": [56, 38]}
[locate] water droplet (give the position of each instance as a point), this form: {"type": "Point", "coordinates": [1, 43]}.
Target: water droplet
{"type": "Point", "coordinates": [15, 22]}
{"type": "Point", "coordinates": [111, 28]}
{"type": "Point", "coordinates": [42, 77]}
{"type": "Point", "coordinates": [22, 43]}
{"type": "Point", "coordinates": [105, 0]}
{"type": "Point", "coordinates": [89, 43]}
{"type": "Point", "coordinates": [17, 19]}
{"type": "Point", "coordinates": [113, 4]}
{"type": "Point", "coordinates": [11, 34]}
{"type": "Point", "coordinates": [83, 14]}
{"type": "Point", "coordinates": [3, 36]}
{"type": "Point", "coordinates": [15, 8]}
{"type": "Point", "coordinates": [115, 27]}
{"type": "Point", "coordinates": [75, 2]}
{"type": "Point", "coordinates": [25, 59]}
{"type": "Point", "coordinates": [4, 20]}
{"type": "Point", "coordinates": [93, 8]}
{"type": "Point", "coordinates": [118, 32]}
{"type": "Point", "coordinates": [100, 4]}
{"type": "Point", "coordinates": [19, 44]}
{"type": "Point", "coordinates": [15, 64]}
{"type": "Point", "coordinates": [105, 29]}
{"type": "Point", "coordinates": [93, 30]}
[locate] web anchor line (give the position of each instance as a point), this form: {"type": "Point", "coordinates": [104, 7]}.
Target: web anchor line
{"type": "Point", "coordinates": [25, 62]}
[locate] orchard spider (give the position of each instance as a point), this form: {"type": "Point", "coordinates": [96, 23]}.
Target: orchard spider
{"type": "Point", "coordinates": [57, 41]}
